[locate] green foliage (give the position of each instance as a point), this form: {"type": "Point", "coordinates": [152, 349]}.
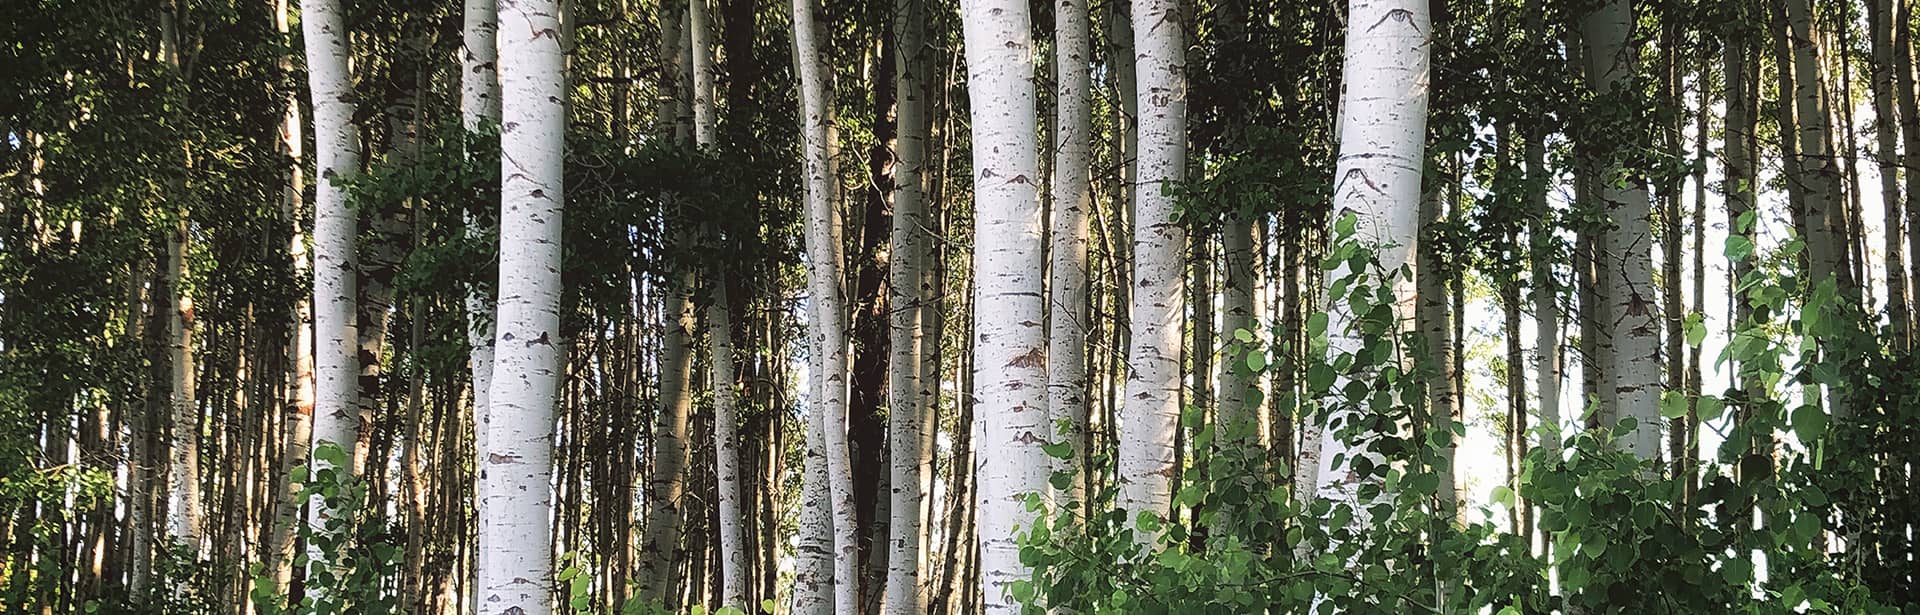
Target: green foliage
{"type": "Point", "coordinates": [351, 555]}
{"type": "Point", "coordinates": [1622, 536]}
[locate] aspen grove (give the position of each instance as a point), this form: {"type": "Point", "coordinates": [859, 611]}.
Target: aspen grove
{"type": "Point", "coordinates": [995, 307]}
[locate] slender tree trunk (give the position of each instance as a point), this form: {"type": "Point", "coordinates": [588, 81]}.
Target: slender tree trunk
{"type": "Point", "coordinates": [1432, 318]}
{"type": "Point", "coordinates": [654, 577]}
{"type": "Point", "coordinates": [337, 159]}
{"type": "Point", "coordinates": [1817, 174]}
{"type": "Point", "coordinates": [828, 300]}
{"type": "Point", "coordinates": [183, 448]}
{"type": "Point", "coordinates": [1150, 416]}
{"type": "Point", "coordinates": [515, 499]}
{"type": "Point", "coordinates": [1631, 361]}
{"type": "Point", "coordinates": [1885, 128]}
{"type": "Point", "coordinates": [813, 568]}
{"type": "Point", "coordinates": [1067, 312]}
{"type": "Point", "coordinates": [908, 416]}
{"type": "Point", "coordinates": [479, 107]}
{"type": "Point", "coordinates": [297, 427]}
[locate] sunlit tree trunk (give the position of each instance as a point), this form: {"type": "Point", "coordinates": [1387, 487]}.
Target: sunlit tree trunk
{"type": "Point", "coordinates": [654, 577]}
{"type": "Point", "coordinates": [909, 415]}
{"type": "Point", "coordinates": [297, 428]}
{"type": "Point", "coordinates": [1009, 346]}
{"type": "Point", "coordinates": [515, 499]}
{"type": "Point", "coordinates": [828, 312]}
{"type": "Point", "coordinates": [337, 158]}
{"type": "Point", "coordinates": [183, 448]}
{"type": "Point", "coordinates": [1150, 415]}
{"type": "Point", "coordinates": [813, 555]}
{"type": "Point", "coordinates": [1377, 180]}
{"type": "Point", "coordinates": [1068, 316]}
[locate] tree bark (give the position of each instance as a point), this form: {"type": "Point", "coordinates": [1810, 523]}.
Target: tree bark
{"type": "Point", "coordinates": [1009, 345]}
{"type": "Point", "coordinates": [1632, 359]}
{"type": "Point", "coordinates": [828, 310]}
{"type": "Point", "coordinates": [1150, 415]}
{"type": "Point", "coordinates": [1377, 180]}
{"type": "Point", "coordinates": [337, 159]}
{"type": "Point", "coordinates": [909, 419]}
{"type": "Point", "coordinates": [1886, 126]}
{"type": "Point", "coordinates": [515, 499]}
{"type": "Point", "coordinates": [1068, 316]}
{"type": "Point", "coordinates": [297, 427]}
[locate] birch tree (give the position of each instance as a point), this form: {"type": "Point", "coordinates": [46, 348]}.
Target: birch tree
{"type": "Point", "coordinates": [1151, 415]}
{"type": "Point", "coordinates": [479, 106]}
{"type": "Point", "coordinates": [660, 539]}
{"type": "Point", "coordinates": [1009, 352]}
{"type": "Point", "coordinates": [828, 311]}
{"type": "Point", "coordinates": [1068, 317]}
{"type": "Point", "coordinates": [1632, 360]}
{"type": "Point", "coordinates": [733, 547]}
{"type": "Point", "coordinates": [183, 471]}
{"type": "Point", "coordinates": [336, 159]}
{"type": "Point", "coordinates": [515, 560]}
{"type": "Point", "coordinates": [910, 421]}
{"type": "Point", "coordinates": [1383, 117]}
{"type": "Point", "coordinates": [1886, 152]}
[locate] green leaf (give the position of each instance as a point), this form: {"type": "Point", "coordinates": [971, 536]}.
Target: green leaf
{"type": "Point", "coordinates": [1696, 330]}
{"type": "Point", "coordinates": [1256, 360]}
{"type": "Point", "coordinates": [1058, 450]}
{"type": "Point", "coordinates": [1738, 248]}
{"type": "Point", "coordinates": [1243, 335]}
{"type": "Point", "coordinates": [1809, 423]}
{"type": "Point", "coordinates": [1023, 590]}
{"type": "Point", "coordinates": [1503, 495]}
{"type": "Point", "coordinates": [1317, 324]}
{"type": "Point", "coordinates": [1673, 404]}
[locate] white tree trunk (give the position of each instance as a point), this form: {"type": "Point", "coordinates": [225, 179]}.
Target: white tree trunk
{"type": "Point", "coordinates": [1237, 305]}
{"type": "Point", "coordinates": [1819, 176]}
{"type": "Point", "coordinates": [908, 416]}
{"type": "Point", "coordinates": [336, 159]}
{"type": "Point", "coordinates": [1151, 414]}
{"type": "Point", "coordinates": [1009, 349]}
{"type": "Point", "coordinates": [515, 560]}
{"type": "Point", "coordinates": [828, 312]}
{"type": "Point", "coordinates": [479, 106]}
{"type": "Point", "coordinates": [183, 471]}
{"type": "Point", "coordinates": [183, 448]}
{"type": "Point", "coordinates": [661, 538]}
{"type": "Point", "coordinates": [1632, 367]}
{"type": "Point", "coordinates": [732, 539]}
{"type": "Point", "coordinates": [1068, 316]}
{"type": "Point", "coordinates": [700, 35]}
{"type": "Point", "coordinates": [1383, 115]}
{"type": "Point", "coordinates": [813, 553]}
{"type": "Point", "coordinates": [298, 428]}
